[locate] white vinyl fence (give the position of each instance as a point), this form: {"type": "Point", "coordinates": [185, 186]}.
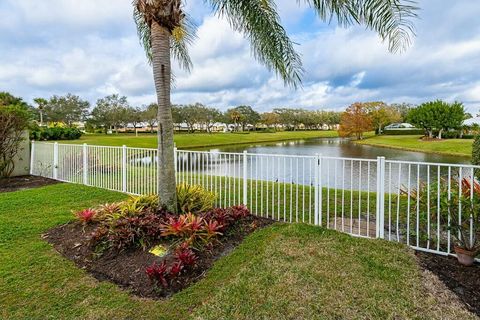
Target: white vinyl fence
{"type": "Point", "coordinates": [395, 200]}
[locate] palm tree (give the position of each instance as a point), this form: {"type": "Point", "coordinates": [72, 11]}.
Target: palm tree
{"type": "Point", "coordinates": [41, 103]}
{"type": "Point", "coordinates": [165, 30]}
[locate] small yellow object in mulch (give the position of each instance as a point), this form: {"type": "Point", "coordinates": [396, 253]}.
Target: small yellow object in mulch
{"type": "Point", "coordinates": [159, 250]}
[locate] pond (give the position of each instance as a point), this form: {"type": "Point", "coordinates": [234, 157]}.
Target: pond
{"type": "Point", "coordinates": [339, 169]}
{"type": "Point", "coordinates": [335, 173]}
{"type": "Point", "coordinates": [337, 147]}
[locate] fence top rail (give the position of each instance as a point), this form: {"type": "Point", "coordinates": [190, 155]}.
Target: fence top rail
{"type": "Point", "coordinates": [435, 164]}
{"type": "Point", "coordinates": [348, 159]}
{"type": "Point", "coordinates": [248, 154]}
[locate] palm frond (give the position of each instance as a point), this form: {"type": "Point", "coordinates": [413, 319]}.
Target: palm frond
{"type": "Point", "coordinates": [182, 37]}
{"type": "Point", "coordinates": [259, 21]}
{"type": "Point", "coordinates": [143, 30]}
{"type": "Point", "coordinates": [391, 19]}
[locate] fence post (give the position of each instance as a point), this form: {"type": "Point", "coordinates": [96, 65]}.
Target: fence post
{"type": "Point", "coordinates": [32, 156]}
{"type": "Point", "coordinates": [55, 160]}
{"type": "Point", "coordinates": [124, 168]}
{"type": "Point", "coordinates": [175, 157]}
{"type": "Point", "coordinates": [245, 182]}
{"type": "Point", "coordinates": [380, 210]}
{"type": "Point", "coordinates": [85, 164]}
{"type": "Point", "coordinates": [316, 189]}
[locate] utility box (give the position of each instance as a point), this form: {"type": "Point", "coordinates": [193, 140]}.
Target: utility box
{"type": "Point", "coordinates": [22, 159]}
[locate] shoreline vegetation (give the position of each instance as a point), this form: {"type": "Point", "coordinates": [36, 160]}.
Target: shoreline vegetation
{"type": "Point", "coordinates": [453, 147]}
{"type": "Point", "coordinates": [201, 140]}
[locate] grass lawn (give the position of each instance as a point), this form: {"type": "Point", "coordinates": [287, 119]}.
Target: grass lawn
{"type": "Point", "coordinates": [290, 271]}
{"type": "Point", "coordinates": [457, 147]}
{"type": "Point", "coordinates": [198, 140]}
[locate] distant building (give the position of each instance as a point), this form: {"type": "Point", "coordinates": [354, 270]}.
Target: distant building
{"type": "Point", "coordinates": [471, 122]}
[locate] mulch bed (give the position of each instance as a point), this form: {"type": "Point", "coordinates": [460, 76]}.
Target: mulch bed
{"type": "Point", "coordinates": [24, 182]}
{"type": "Point", "coordinates": [127, 268]}
{"type": "Point", "coordinates": [461, 280]}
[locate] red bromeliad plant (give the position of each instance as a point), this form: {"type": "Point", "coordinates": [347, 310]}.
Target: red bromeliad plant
{"type": "Point", "coordinates": [186, 256]}
{"type": "Point", "coordinates": [175, 269]}
{"type": "Point", "coordinates": [175, 226]}
{"type": "Point", "coordinates": [86, 215]}
{"type": "Point", "coordinates": [194, 223]}
{"type": "Point", "coordinates": [212, 229]}
{"type": "Point", "coordinates": [239, 212]}
{"type": "Point", "coordinates": [158, 273]}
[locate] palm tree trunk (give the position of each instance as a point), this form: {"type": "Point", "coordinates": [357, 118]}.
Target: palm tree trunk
{"type": "Point", "coordinates": [162, 76]}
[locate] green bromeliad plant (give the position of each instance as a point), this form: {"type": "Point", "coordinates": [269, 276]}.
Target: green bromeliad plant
{"type": "Point", "coordinates": [194, 198]}
{"type": "Point", "coordinates": [462, 211]}
{"type": "Point", "coordinates": [448, 206]}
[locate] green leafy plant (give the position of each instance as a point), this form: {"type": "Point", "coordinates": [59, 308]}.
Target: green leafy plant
{"type": "Point", "coordinates": [55, 133]}
{"type": "Point", "coordinates": [193, 198]}
{"type": "Point", "coordinates": [476, 151]}
{"type": "Point", "coordinates": [456, 208]}
{"type": "Point", "coordinates": [463, 217]}
{"type": "Point", "coordinates": [14, 119]}
{"type": "Point", "coordinates": [108, 211]}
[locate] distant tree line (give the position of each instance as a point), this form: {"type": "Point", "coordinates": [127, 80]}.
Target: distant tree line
{"type": "Point", "coordinates": [114, 112]}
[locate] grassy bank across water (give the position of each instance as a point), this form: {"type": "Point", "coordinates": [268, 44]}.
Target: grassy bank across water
{"type": "Point", "coordinates": [456, 147]}
{"type": "Point", "coordinates": [284, 271]}
{"type": "Point", "coordinates": [199, 140]}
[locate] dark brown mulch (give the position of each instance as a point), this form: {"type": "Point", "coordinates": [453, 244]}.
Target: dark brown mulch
{"type": "Point", "coordinates": [463, 281]}
{"type": "Point", "coordinates": [127, 268]}
{"type": "Point", "coordinates": [24, 182]}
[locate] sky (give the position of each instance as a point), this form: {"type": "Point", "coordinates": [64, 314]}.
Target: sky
{"type": "Point", "coordinates": [90, 48]}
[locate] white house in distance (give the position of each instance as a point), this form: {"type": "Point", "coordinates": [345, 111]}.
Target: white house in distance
{"type": "Point", "coordinates": [472, 121]}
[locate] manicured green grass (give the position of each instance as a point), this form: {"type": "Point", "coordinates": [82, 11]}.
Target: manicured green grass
{"type": "Point", "coordinates": [289, 271]}
{"type": "Point", "coordinates": [198, 140]}
{"type": "Point", "coordinates": [457, 147]}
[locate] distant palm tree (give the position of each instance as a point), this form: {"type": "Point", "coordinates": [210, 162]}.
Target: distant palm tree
{"type": "Point", "coordinates": [165, 30]}
{"type": "Point", "coordinates": [41, 103]}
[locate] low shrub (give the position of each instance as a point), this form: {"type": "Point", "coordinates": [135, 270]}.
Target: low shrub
{"type": "Point", "coordinates": [193, 198]}
{"type": "Point", "coordinates": [134, 206]}
{"type": "Point", "coordinates": [451, 135]}
{"type": "Point", "coordinates": [123, 233]}
{"type": "Point", "coordinates": [393, 132]}
{"type": "Point", "coordinates": [191, 229]}
{"type": "Point", "coordinates": [55, 133]}
{"type": "Point", "coordinates": [476, 151]}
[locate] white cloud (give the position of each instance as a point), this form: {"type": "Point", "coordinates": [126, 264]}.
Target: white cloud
{"type": "Point", "coordinates": [90, 48]}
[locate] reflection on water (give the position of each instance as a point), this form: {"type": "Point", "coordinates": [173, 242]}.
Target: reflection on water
{"type": "Point", "coordinates": [337, 147]}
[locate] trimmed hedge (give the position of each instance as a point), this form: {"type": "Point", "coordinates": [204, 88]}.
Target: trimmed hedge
{"type": "Point", "coordinates": [476, 151]}
{"type": "Point", "coordinates": [55, 133]}
{"type": "Point", "coordinates": [394, 132]}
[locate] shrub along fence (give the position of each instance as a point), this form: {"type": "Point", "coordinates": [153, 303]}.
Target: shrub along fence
{"type": "Point", "coordinates": [417, 203]}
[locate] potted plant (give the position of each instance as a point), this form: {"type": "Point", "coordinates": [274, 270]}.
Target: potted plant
{"type": "Point", "coordinates": [464, 220]}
